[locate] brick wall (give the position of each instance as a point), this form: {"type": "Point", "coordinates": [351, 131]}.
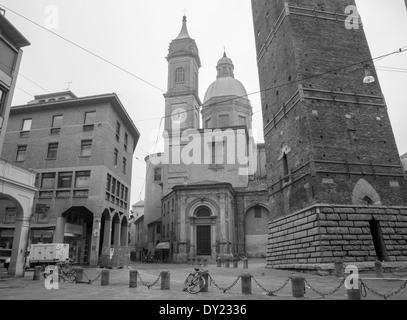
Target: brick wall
{"type": "Point", "coordinates": [323, 234]}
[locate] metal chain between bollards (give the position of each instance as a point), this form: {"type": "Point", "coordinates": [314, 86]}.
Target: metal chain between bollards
{"type": "Point", "coordinates": [91, 281]}
{"type": "Point", "coordinates": [224, 289]}
{"type": "Point", "coordinates": [323, 295]}
{"type": "Point", "coordinates": [385, 296]}
{"type": "Point", "coordinates": [148, 286]}
{"type": "Point", "coordinates": [271, 293]}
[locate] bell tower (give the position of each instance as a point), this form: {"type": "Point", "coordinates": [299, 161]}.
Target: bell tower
{"type": "Point", "coordinates": [182, 104]}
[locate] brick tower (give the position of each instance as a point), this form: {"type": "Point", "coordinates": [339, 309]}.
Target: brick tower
{"type": "Point", "coordinates": [336, 184]}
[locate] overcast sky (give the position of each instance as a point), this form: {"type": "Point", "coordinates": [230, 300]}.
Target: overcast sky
{"type": "Point", "coordinates": [135, 35]}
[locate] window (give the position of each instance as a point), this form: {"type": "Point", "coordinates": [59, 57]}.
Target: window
{"type": "Point", "coordinates": [118, 184]}
{"type": "Point", "coordinates": [118, 131]}
{"type": "Point", "coordinates": [208, 123]}
{"type": "Point", "coordinates": [126, 190]}
{"type": "Point", "coordinates": [108, 182]}
{"type": "Point", "coordinates": [203, 212]}
{"type": "Point", "coordinates": [285, 167]}
{"type": "Point", "coordinates": [56, 124]}
{"type": "Point", "coordinates": [86, 148]}
{"type": "Point", "coordinates": [113, 186]}
{"type": "Point", "coordinates": [82, 179]}
{"type": "Point", "coordinates": [2, 106]}
{"type": "Point", "coordinates": [115, 156]}
{"type": "Point", "coordinates": [10, 216]}
{"type": "Point", "coordinates": [126, 139]}
{"type": "Point", "coordinates": [65, 180]}
{"type": "Point", "coordinates": [21, 153]}
{"type": "Point", "coordinates": [89, 122]}
{"type": "Point", "coordinates": [48, 180]}
{"type": "Point", "coordinates": [224, 120]}
{"type": "Point", "coordinates": [157, 174]}
{"type": "Point", "coordinates": [179, 75]}
{"type": "Point", "coordinates": [122, 192]}
{"type": "Point", "coordinates": [158, 229]}
{"type": "Point", "coordinates": [7, 58]}
{"type": "Point", "coordinates": [26, 127]}
{"type": "Point", "coordinates": [124, 164]}
{"type": "Point", "coordinates": [52, 150]}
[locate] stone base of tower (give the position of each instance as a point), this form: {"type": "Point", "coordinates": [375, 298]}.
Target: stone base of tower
{"type": "Point", "coordinates": [324, 234]}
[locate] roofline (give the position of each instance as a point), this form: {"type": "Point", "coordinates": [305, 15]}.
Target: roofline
{"type": "Point", "coordinates": [15, 36]}
{"type": "Point", "coordinates": [55, 94]}
{"type": "Point", "coordinates": [111, 97]}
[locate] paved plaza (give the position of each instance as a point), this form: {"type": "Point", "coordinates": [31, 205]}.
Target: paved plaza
{"type": "Point", "coordinates": [263, 281]}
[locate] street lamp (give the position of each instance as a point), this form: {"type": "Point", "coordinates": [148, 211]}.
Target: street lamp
{"type": "Point", "coordinates": [368, 76]}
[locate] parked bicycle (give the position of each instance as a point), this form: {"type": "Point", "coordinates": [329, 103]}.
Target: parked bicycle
{"type": "Point", "coordinates": [66, 271]}
{"type": "Point", "coordinates": [195, 282]}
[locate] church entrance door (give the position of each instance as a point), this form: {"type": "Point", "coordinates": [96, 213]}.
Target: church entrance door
{"type": "Point", "coordinates": [203, 240]}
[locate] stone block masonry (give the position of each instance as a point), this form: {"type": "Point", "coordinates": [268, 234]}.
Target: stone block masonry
{"type": "Point", "coordinates": [328, 233]}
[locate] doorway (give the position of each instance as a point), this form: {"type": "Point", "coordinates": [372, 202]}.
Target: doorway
{"type": "Point", "coordinates": [203, 240]}
{"type": "Point", "coordinates": [378, 241]}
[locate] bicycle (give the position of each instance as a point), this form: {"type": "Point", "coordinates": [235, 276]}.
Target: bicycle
{"type": "Point", "coordinates": [195, 282]}
{"type": "Point", "coordinates": [66, 271]}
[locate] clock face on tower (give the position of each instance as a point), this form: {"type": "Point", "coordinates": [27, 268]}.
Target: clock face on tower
{"type": "Point", "coordinates": [179, 115]}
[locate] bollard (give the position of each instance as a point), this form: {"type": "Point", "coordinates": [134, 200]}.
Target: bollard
{"type": "Point", "coordinates": [105, 278]}
{"type": "Point", "coordinates": [339, 269]}
{"type": "Point", "coordinates": [246, 283]}
{"type": "Point", "coordinates": [78, 274]}
{"type": "Point", "coordinates": [219, 262]}
{"type": "Point", "coordinates": [379, 269]}
{"type": "Point", "coordinates": [133, 279]}
{"type": "Point", "coordinates": [198, 261]}
{"type": "Point", "coordinates": [354, 294]}
{"type": "Point", "coordinates": [165, 280]}
{"type": "Point", "coordinates": [205, 262]}
{"type": "Point", "coordinates": [235, 263]}
{"type": "Point", "coordinates": [193, 261]}
{"type": "Point", "coordinates": [37, 273]}
{"type": "Point", "coordinates": [227, 263]}
{"type": "Point", "coordinates": [189, 261]}
{"type": "Point", "coordinates": [245, 263]}
{"type": "Point", "coordinates": [298, 287]}
{"type": "Point", "coordinates": [205, 275]}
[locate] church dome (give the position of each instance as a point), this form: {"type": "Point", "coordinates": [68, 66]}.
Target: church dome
{"type": "Point", "coordinates": [226, 84]}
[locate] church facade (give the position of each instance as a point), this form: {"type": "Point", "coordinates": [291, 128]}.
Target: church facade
{"type": "Point", "coordinates": [206, 194]}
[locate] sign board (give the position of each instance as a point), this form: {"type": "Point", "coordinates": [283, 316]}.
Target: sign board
{"type": "Point", "coordinates": [73, 229]}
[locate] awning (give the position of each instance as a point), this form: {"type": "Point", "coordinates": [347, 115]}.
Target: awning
{"type": "Point", "coordinates": [163, 246]}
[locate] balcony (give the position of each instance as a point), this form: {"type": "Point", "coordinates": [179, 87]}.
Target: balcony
{"type": "Point", "coordinates": [14, 174]}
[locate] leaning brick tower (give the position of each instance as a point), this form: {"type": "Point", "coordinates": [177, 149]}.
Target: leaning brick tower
{"type": "Point", "coordinates": [336, 184]}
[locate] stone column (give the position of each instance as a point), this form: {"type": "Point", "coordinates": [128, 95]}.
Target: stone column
{"type": "Point", "coordinates": [95, 242]}
{"type": "Point", "coordinates": [17, 263]}
{"type": "Point", "coordinates": [59, 230]}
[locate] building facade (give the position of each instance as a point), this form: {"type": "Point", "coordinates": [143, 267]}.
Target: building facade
{"type": "Point", "coordinates": [16, 183]}
{"type": "Point", "coordinates": [206, 194]}
{"type": "Point", "coordinates": [335, 183]}
{"type": "Point", "coordinates": [82, 150]}
{"type": "Point", "coordinates": [137, 232]}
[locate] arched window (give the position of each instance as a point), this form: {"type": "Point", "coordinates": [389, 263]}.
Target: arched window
{"type": "Point", "coordinates": [203, 212]}
{"type": "Point", "coordinates": [180, 75]}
